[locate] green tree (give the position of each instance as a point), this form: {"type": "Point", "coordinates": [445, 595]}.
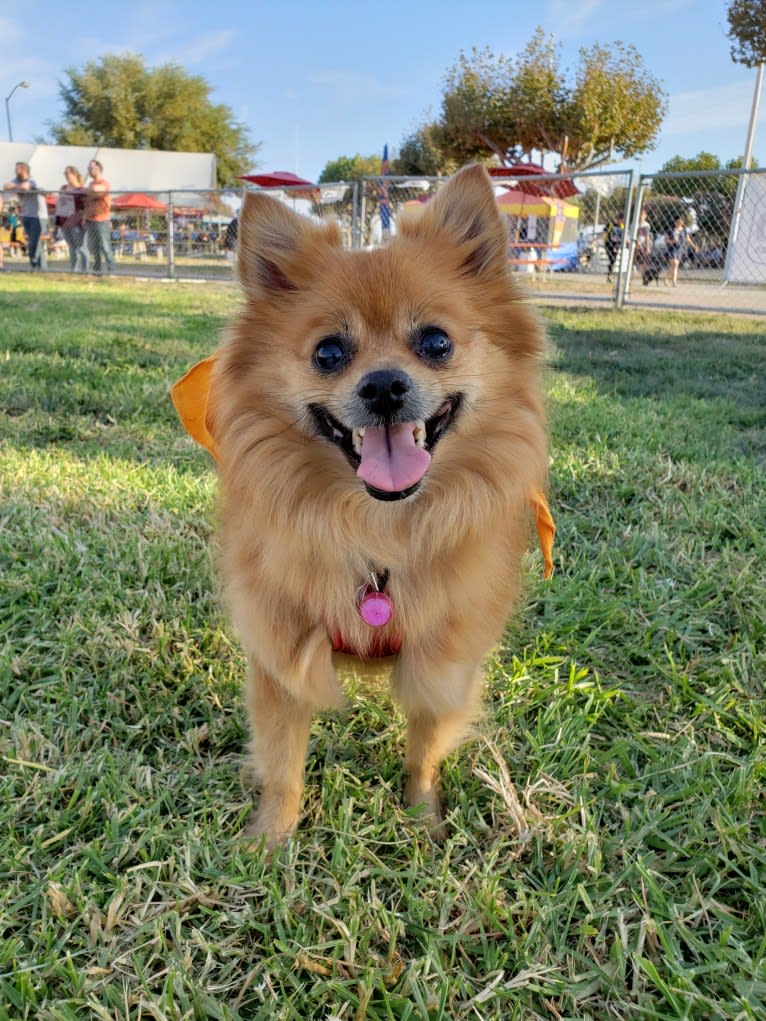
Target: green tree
{"type": "Point", "coordinates": [689, 186]}
{"type": "Point", "coordinates": [692, 187]}
{"type": "Point", "coordinates": [614, 109]}
{"type": "Point", "coordinates": [423, 152]}
{"type": "Point", "coordinates": [702, 161]}
{"type": "Point", "coordinates": [739, 162]}
{"type": "Point", "coordinates": [351, 168]}
{"type": "Point", "coordinates": [539, 96]}
{"type": "Point", "coordinates": [477, 119]}
{"type": "Point", "coordinates": [747, 31]}
{"type": "Point", "coordinates": [117, 101]}
{"type": "Point", "coordinates": [502, 108]}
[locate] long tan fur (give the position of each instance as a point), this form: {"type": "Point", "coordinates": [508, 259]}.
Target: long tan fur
{"type": "Point", "coordinates": [300, 531]}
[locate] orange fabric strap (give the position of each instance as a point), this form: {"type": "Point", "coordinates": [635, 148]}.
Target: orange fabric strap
{"type": "Point", "coordinates": [190, 397]}
{"type": "Point", "coordinates": [546, 529]}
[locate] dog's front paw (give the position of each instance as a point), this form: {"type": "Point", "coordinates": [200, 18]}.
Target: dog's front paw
{"type": "Point", "coordinates": [269, 825]}
{"type": "Point", "coordinates": [426, 797]}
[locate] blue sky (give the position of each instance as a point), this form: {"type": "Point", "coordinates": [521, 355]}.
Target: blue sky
{"type": "Point", "coordinates": [316, 80]}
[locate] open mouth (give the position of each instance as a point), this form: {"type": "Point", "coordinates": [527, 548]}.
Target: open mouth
{"type": "Point", "coordinates": [391, 460]}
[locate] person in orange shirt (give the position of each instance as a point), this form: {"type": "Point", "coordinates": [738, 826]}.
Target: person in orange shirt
{"type": "Point", "coordinates": [98, 218]}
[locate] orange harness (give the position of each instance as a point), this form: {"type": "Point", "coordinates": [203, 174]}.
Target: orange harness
{"type": "Point", "coordinates": [190, 397]}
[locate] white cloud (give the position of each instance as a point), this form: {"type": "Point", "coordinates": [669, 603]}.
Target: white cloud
{"type": "Point", "coordinates": [571, 17]}
{"type": "Point", "coordinates": [197, 51]}
{"type": "Point", "coordinates": [43, 82]}
{"type": "Point", "coordinates": [709, 109]}
{"type": "Point", "coordinates": [85, 48]}
{"type": "Point", "coordinates": [354, 86]}
{"type": "Point", "coordinates": [11, 33]}
{"type": "Point", "coordinates": [166, 50]}
{"type": "Point", "coordinates": [594, 18]}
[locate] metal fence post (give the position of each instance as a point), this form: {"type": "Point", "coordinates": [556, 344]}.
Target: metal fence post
{"type": "Point", "coordinates": [356, 220]}
{"type": "Point", "coordinates": [623, 272]}
{"type": "Point", "coordinates": [638, 193]}
{"type": "Point", "coordinates": [362, 212]}
{"type": "Point", "coordinates": [171, 251]}
{"type": "Point", "coordinates": [636, 220]}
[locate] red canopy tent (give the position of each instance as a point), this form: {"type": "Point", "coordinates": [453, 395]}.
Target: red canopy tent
{"type": "Point", "coordinates": [297, 186]}
{"type": "Point", "coordinates": [139, 201]}
{"type": "Point", "coordinates": [554, 187]}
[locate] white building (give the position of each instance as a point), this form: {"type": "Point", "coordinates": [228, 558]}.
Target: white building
{"type": "Point", "coordinates": [146, 170]}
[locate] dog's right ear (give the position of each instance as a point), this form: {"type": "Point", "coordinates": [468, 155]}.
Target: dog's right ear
{"type": "Point", "coordinates": [464, 215]}
{"type": "Point", "coordinates": [271, 243]}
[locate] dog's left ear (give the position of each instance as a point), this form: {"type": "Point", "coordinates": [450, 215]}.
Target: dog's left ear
{"type": "Point", "coordinates": [465, 211]}
{"type": "Point", "coordinates": [271, 246]}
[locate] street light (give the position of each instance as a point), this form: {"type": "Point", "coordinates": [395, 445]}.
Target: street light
{"type": "Point", "coordinates": [21, 85]}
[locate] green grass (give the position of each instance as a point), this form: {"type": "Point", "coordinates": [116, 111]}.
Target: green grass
{"type": "Point", "coordinates": [607, 849]}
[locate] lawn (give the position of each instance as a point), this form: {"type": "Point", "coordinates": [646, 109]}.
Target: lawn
{"type": "Point", "coordinates": [607, 847]}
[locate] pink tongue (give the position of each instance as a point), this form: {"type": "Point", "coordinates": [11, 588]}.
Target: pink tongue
{"type": "Point", "coordinates": [391, 460]}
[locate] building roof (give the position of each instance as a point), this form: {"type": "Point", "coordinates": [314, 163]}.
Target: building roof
{"type": "Point", "coordinates": [124, 169]}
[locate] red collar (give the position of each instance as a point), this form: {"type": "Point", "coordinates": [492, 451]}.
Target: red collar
{"type": "Point", "coordinates": [379, 646]}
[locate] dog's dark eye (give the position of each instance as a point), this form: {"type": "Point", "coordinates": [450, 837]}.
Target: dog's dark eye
{"type": "Point", "coordinates": [434, 345]}
{"type": "Point", "coordinates": [331, 354]}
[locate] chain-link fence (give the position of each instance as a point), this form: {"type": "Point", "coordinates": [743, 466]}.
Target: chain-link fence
{"type": "Point", "coordinates": [561, 228]}
{"type": "Point", "coordinates": [695, 239]}
{"type": "Point", "coordinates": [546, 215]}
{"type": "Point", "coordinates": [171, 235]}
{"type": "Point", "coordinates": [699, 238]}
{"type": "Point", "coordinates": [157, 234]}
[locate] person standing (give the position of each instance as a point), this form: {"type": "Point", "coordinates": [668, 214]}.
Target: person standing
{"type": "Point", "coordinates": [613, 235]}
{"type": "Point", "coordinates": [677, 243]}
{"type": "Point", "coordinates": [34, 214]}
{"type": "Point", "coordinates": [98, 218]}
{"type": "Point", "coordinates": [69, 216]}
{"type": "Point", "coordinates": [644, 243]}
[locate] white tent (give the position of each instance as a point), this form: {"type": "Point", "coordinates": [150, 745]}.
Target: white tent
{"type": "Point", "coordinates": [124, 169]}
{"type": "Point", "coordinates": [746, 257]}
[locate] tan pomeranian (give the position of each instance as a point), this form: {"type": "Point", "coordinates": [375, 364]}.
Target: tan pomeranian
{"type": "Point", "coordinates": [379, 426]}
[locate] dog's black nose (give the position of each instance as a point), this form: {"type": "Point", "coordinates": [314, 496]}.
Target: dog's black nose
{"type": "Point", "coordinates": [384, 392]}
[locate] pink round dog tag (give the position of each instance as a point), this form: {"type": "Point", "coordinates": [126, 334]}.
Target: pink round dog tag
{"type": "Point", "coordinates": [376, 609]}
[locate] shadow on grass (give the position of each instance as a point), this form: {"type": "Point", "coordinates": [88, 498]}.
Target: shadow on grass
{"type": "Point", "coordinates": [654, 360]}
{"type": "Point", "coordinates": [88, 368]}
{"type": "Point", "coordinates": [674, 370]}
{"type": "Point", "coordinates": [89, 365]}
{"type": "Point", "coordinates": [112, 324]}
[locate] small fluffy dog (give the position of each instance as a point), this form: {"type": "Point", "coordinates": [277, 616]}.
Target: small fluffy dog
{"type": "Point", "coordinates": [379, 426]}
{"type": "Point", "coordinates": [653, 268]}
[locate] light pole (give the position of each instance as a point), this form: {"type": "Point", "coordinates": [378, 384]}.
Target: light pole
{"type": "Point", "coordinates": [21, 85]}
